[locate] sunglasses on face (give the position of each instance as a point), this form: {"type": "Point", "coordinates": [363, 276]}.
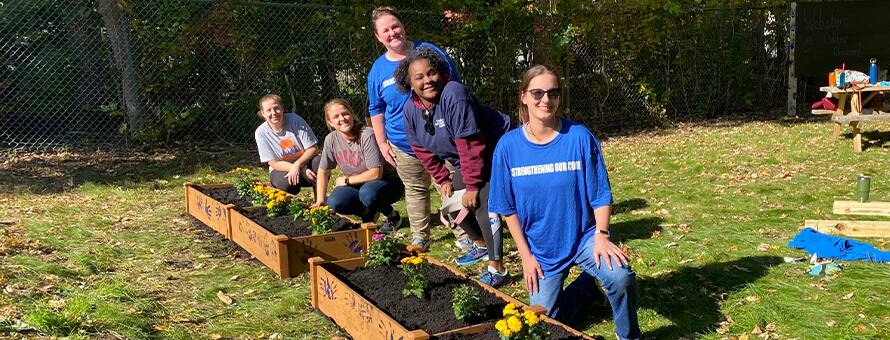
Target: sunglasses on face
{"type": "Point", "coordinates": [428, 119]}
{"type": "Point", "coordinates": [538, 94]}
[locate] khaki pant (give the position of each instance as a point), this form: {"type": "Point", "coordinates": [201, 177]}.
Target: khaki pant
{"type": "Point", "coordinates": [417, 194]}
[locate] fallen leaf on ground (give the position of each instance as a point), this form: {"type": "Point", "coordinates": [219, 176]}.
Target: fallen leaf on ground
{"type": "Point", "coordinates": [756, 330]}
{"type": "Point", "coordinates": [771, 327]}
{"type": "Point", "coordinates": [752, 298]}
{"type": "Point", "coordinates": [233, 278]}
{"type": "Point", "coordinates": [763, 247]}
{"type": "Point", "coordinates": [670, 245]}
{"type": "Point", "coordinates": [848, 296]}
{"type": "Point", "coordinates": [831, 323]}
{"type": "Point", "coordinates": [224, 298]}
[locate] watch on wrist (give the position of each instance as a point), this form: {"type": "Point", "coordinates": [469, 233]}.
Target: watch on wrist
{"type": "Point", "coordinates": [346, 179]}
{"type": "Point", "coordinates": [600, 231]}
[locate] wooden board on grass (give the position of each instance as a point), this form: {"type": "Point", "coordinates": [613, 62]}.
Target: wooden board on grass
{"type": "Point", "coordinates": [851, 228]}
{"type": "Point", "coordinates": [866, 208]}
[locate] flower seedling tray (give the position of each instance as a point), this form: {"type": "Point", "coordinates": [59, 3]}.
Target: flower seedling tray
{"type": "Point", "coordinates": [207, 209]}
{"type": "Point", "coordinates": [288, 256]}
{"type": "Point", "coordinates": [352, 310]}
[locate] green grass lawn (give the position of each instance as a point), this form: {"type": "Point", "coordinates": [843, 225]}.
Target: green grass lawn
{"type": "Point", "coordinates": [98, 244]}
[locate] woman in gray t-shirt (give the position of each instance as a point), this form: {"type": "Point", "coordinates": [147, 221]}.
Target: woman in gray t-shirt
{"type": "Point", "coordinates": [369, 184]}
{"type": "Point", "coordinates": [287, 144]}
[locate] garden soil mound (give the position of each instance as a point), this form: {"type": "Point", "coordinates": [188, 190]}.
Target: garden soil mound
{"type": "Point", "coordinates": [383, 287]}
{"type": "Point", "coordinates": [285, 225]}
{"type": "Point", "coordinates": [226, 196]}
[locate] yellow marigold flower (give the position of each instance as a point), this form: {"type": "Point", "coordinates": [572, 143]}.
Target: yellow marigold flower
{"type": "Point", "coordinates": [514, 324]}
{"type": "Point", "coordinates": [507, 332]}
{"type": "Point", "coordinates": [405, 260]}
{"type": "Point", "coordinates": [510, 309]}
{"type": "Point", "coordinates": [270, 205]}
{"type": "Point", "coordinates": [501, 326]}
{"type": "Point", "coordinates": [258, 188]}
{"type": "Point", "coordinates": [530, 318]}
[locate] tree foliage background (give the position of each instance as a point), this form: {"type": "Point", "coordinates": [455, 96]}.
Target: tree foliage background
{"type": "Point", "coordinates": [199, 66]}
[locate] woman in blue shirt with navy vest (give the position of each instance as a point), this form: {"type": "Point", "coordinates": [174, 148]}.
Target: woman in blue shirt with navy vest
{"type": "Point", "coordinates": [549, 181]}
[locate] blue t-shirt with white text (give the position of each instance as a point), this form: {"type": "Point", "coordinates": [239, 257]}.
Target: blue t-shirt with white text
{"type": "Point", "coordinates": [384, 96]}
{"type": "Point", "coordinates": [553, 188]}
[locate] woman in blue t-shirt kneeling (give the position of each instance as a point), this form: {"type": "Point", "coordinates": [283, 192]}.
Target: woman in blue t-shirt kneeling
{"type": "Point", "coordinates": [444, 122]}
{"type": "Point", "coordinates": [549, 181]}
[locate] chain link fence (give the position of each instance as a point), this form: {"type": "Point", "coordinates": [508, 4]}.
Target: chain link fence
{"type": "Point", "coordinates": [160, 72]}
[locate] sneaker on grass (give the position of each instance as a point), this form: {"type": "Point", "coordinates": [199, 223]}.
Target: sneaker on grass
{"type": "Point", "coordinates": [391, 223]}
{"type": "Point", "coordinates": [464, 244]}
{"type": "Point", "coordinates": [423, 244]}
{"type": "Point", "coordinates": [493, 278]}
{"type": "Point", "coordinates": [475, 254]}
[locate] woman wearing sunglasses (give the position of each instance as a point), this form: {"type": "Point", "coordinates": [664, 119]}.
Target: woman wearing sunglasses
{"type": "Point", "coordinates": [549, 181]}
{"type": "Point", "coordinates": [385, 103]}
{"type": "Point", "coordinates": [444, 122]}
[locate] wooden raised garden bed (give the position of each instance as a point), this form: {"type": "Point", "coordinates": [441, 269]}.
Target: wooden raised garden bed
{"type": "Point", "coordinates": [211, 204]}
{"type": "Point", "coordinates": [367, 303]}
{"type": "Point", "coordinates": [287, 250]}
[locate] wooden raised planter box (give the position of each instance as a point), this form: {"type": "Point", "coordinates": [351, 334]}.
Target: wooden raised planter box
{"type": "Point", "coordinates": [359, 317]}
{"type": "Point", "coordinates": [288, 256]}
{"type": "Point", "coordinates": [211, 212]}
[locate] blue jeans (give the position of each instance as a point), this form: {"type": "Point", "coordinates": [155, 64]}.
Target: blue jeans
{"type": "Point", "coordinates": [366, 199]}
{"type": "Point", "coordinates": [620, 285]}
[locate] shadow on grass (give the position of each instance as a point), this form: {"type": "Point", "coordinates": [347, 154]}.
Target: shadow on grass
{"type": "Point", "coordinates": [629, 205]}
{"type": "Point", "coordinates": [56, 172]}
{"type": "Point", "coordinates": [690, 297]}
{"type": "Point", "coordinates": [870, 139]}
{"type": "Point", "coordinates": [634, 229]}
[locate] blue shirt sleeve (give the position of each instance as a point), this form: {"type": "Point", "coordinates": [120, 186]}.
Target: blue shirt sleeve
{"type": "Point", "coordinates": [410, 117]}
{"type": "Point", "coordinates": [599, 191]}
{"type": "Point", "coordinates": [376, 105]}
{"type": "Point", "coordinates": [500, 195]}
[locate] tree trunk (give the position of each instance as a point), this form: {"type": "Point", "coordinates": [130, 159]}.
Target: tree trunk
{"type": "Point", "coordinates": [120, 47]}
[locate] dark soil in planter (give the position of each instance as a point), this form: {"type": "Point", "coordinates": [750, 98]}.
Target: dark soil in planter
{"type": "Point", "coordinates": [383, 287]}
{"type": "Point", "coordinates": [285, 225]}
{"type": "Point", "coordinates": [556, 333]}
{"type": "Point", "coordinates": [226, 196]}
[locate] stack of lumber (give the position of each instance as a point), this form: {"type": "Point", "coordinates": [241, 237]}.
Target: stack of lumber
{"type": "Point", "coordinates": [855, 228]}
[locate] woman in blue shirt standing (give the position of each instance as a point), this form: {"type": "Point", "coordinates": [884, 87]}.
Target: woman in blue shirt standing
{"type": "Point", "coordinates": [549, 181]}
{"type": "Point", "coordinates": [385, 104]}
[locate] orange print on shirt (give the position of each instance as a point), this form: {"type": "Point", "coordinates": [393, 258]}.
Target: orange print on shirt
{"type": "Point", "coordinates": [289, 150]}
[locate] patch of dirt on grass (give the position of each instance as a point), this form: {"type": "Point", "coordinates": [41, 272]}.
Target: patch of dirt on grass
{"type": "Point", "coordinates": [57, 171]}
{"type": "Point", "coordinates": [13, 241]}
{"type": "Point", "coordinates": [229, 249]}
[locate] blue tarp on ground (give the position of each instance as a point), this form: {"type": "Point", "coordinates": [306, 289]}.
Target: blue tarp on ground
{"type": "Point", "coordinates": [834, 247]}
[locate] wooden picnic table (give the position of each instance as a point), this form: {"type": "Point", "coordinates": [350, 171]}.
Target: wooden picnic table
{"type": "Point", "coordinates": [854, 115]}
